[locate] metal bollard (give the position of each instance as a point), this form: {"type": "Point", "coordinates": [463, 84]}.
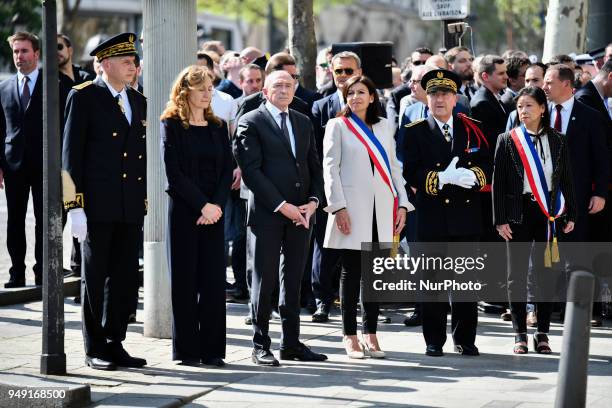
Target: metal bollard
{"type": "Point", "coordinates": [572, 379]}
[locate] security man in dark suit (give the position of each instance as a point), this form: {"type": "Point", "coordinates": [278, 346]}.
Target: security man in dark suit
{"type": "Point", "coordinates": [21, 134]}
{"type": "Point", "coordinates": [275, 149]}
{"type": "Point", "coordinates": [104, 183]}
{"type": "Point", "coordinates": [446, 159]}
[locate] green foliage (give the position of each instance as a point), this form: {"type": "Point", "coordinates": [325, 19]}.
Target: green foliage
{"type": "Point", "coordinates": [17, 14]}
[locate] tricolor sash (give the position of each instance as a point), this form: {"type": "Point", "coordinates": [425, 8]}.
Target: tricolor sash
{"type": "Point", "coordinates": [377, 154]}
{"type": "Point", "coordinates": [539, 188]}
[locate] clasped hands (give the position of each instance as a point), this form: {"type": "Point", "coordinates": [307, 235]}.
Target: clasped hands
{"type": "Point", "coordinates": [211, 213]}
{"type": "Point", "coordinates": [458, 176]}
{"type": "Point", "coordinates": [299, 215]}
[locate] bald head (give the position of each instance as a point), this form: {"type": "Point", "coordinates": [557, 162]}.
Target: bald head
{"type": "Point", "coordinates": [437, 61]}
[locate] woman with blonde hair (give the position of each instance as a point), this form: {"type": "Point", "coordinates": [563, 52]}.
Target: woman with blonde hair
{"type": "Point", "coordinates": [197, 157]}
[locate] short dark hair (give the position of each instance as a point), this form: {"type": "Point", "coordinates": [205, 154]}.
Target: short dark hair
{"type": "Point", "coordinates": [451, 54]}
{"type": "Point", "coordinates": [66, 39]}
{"type": "Point", "coordinates": [539, 64]}
{"type": "Point", "coordinates": [487, 64]}
{"type": "Point", "coordinates": [203, 55]}
{"type": "Point", "coordinates": [423, 50]}
{"type": "Point", "coordinates": [278, 61]}
{"type": "Point", "coordinates": [539, 96]}
{"type": "Point", "coordinates": [374, 111]}
{"type": "Point", "coordinates": [561, 59]}
{"type": "Point", "coordinates": [249, 67]}
{"type": "Point", "coordinates": [25, 36]}
{"type": "Point", "coordinates": [565, 72]}
{"type": "Point", "coordinates": [514, 64]}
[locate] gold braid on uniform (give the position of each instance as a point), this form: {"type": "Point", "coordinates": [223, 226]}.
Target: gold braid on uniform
{"type": "Point", "coordinates": [71, 198]}
{"type": "Point", "coordinates": [480, 176]}
{"type": "Point", "coordinates": [431, 183]}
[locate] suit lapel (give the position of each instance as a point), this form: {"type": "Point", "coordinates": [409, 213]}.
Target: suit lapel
{"type": "Point", "coordinates": [335, 106]}
{"type": "Point", "coordinates": [274, 127]}
{"type": "Point", "coordinates": [494, 101]}
{"type": "Point", "coordinates": [571, 123]}
{"type": "Point", "coordinates": [15, 92]}
{"type": "Point", "coordinates": [110, 99]}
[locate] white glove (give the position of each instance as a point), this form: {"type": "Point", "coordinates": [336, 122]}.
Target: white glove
{"type": "Point", "coordinates": [458, 176]}
{"type": "Point", "coordinates": [77, 223]}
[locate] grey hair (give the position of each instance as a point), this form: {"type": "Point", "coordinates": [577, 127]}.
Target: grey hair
{"type": "Point", "coordinates": [347, 54]}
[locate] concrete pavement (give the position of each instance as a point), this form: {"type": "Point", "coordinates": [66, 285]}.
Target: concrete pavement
{"type": "Point", "coordinates": [406, 378]}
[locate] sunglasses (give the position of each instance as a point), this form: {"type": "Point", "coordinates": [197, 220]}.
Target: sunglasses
{"type": "Point", "coordinates": [418, 62]}
{"type": "Point", "coordinates": [324, 65]}
{"type": "Point", "coordinates": [60, 46]}
{"type": "Point", "coordinates": [347, 71]}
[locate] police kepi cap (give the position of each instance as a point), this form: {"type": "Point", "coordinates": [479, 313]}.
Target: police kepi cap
{"type": "Point", "coordinates": [440, 80]}
{"type": "Point", "coordinates": [121, 44]}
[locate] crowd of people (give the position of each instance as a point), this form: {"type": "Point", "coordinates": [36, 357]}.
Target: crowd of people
{"type": "Point", "coordinates": [289, 182]}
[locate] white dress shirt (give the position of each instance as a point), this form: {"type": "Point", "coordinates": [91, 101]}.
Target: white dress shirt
{"type": "Point", "coordinates": [449, 122]}
{"type": "Point", "coordinates": [566, 112]}
{"type": "Point", "coordinates": [33, 76]}
{"type": "Point", "coordinates": [124, 99]}
{"type": "Point", "coordinates": [276, 114]}
{"type": "Point", "coordinates": [224, 106]}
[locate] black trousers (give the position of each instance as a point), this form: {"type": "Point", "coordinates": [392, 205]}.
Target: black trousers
{"type": "Point", "coordinates": [197, 272]}
{"type": "Point", "coordinates": [350, 289]}
{"type": "Point", "coordinates": [464, 315]}
{"type": "Point", "coordinates": [266, 243]}
{"type": "Point", "coordinates": [532, 229]}
{"type": "Point", "coordinates": [110, 271]}
{"type": "Point", "coordinates": [18, 185]}
{"type": "Point", "coordinates": [324, 264]}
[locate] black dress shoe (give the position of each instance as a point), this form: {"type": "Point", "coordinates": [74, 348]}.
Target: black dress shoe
{"type": "Point", "coordinates": [467, 350]}
{"type": "Point", "coordinates": [413, 320]}
{"type": "Point", "coordinates": [264, 358]}
{"type": "Point", "coordinates": [123, 359]}
{"type": "Point", "coordinates": [213, 361]}
{"type": "Point", "coordinates": [100, 364]}
{"type": "Point", "coordinates": [191, 362]}
{"type": "Point", "coordinates": [301, 353]}
{"type": "Point", "coordinates": [14, 283]}
{"type": "Point", "coordinates": [77, 300]}
{"type": "Point", "coordinates": [433, 350]}
{"type": "Point", "coordinates": [321, 315]}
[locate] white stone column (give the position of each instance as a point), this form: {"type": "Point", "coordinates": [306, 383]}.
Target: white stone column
{"type": "Point", "coordinates": [169, 46]}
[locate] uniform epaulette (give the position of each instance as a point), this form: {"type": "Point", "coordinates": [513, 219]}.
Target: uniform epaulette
{"type": "Point", "coordinates": [83, 85]}
{"type": "Point", "coordinates": [416, 122]}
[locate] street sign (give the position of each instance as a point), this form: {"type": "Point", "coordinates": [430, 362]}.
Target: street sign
{"type": "Point", "coordinates": [444, 9]}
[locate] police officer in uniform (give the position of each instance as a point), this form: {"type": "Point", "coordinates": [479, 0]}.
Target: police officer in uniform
{"type": "Point", "coordinates": [103, 175]}
{"type": "Point", "coordinates": [446, 161]}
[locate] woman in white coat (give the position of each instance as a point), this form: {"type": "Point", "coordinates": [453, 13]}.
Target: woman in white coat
{"type": "Point", "coordinates": [366, 200]}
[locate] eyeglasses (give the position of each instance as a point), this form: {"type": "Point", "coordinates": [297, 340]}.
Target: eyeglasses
{"type": "Point", "coordinates": [417, 63]}
{"type": "Point", "coordinates": [60, 46]}
{"type": "Point", "coordinates": [347, 71]}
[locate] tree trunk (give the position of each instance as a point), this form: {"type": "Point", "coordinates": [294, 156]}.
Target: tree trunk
{"type": "Point", "coordinates": [302, 41]}
{"type": "Point", "coordinates": [566, 22]}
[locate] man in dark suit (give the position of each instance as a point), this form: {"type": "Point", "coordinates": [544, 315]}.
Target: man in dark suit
{"type": "Point", "coordinates": [516, 68]}
{"type": "Point", "coordinates": [447, 166]}
{"type": "Point", "coordinates": [21, 133]}
{"type": "Point", "coordinates": [275, 149]}
{"type": "Point", "coordinates": [104, 183]}
{"type": "Point", "coordinates": [589, 154]}
{"type": "Point", "coordinates": [460, 62]}
{"type": "Point", "coordinates": [324, 260]}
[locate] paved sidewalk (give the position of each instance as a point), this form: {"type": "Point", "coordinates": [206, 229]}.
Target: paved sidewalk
{"type": "Point", "coordinates": [406, 378]}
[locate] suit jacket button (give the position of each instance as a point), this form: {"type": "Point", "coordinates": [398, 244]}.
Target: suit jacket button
{"type": "Point", "coordinates": [297, 165]}
{"type": "Point", "coordinates": [467, 201]}
{"type": "Point", "coordinates": [469, 163]}
{"type": "Point", "coordinates": [139, 178]}
{"type": "Point", "coordinates": [114, 134]}
{"type": "Point", "coordinates": [447, 201]}
{"type": "Point", "coordinates": [124, 175]}
{"type": "Point", "coordinates": [124, 154]}
{"type": "Point", "coordinates": [437, 164]}
{"type": "Point", "coordinates": [140, 156]}
{"type": "Point", "coordinates": [143, 136]}
{"type": "Point", "coordinates": [297, 185]}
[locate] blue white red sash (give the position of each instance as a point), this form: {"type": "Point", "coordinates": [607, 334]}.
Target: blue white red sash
{"type": "Point", "coordinates": [377, 154]}
{"type": "Point", "coordinates": [537, 180]}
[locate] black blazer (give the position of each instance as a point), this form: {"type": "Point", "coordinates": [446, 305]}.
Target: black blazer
{"type": "Point", "coordinates": [20, 131]}
{"type": "Point", "coordinates": [182, 167]}
{"type": "Point", "coordinates": [269, 168]}
{"type": "Point", "coordinates": [508, 173]}
{"type": "Point", "coordinates": [393, 103]}
{"type": "Point", "coordinates": [508, 100]}
{"type": "Point", "coordinates": [589, 155]}
{"type": "Point", "coordinates": [252, 102]}
{"type": "Point", "coordinates": [322, 111]}
{"type": "Point", "coordinates": [307, 95]}
{"type": "Point", "coordinates": [490, 113]}
{"type": "Point", "coordinates": [451, 211]}
{"type": "Point", "coordinates": [104, 166]}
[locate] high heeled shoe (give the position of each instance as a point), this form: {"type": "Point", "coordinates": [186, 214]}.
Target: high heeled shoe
{"type": "Point", "coordinates": [354, 354]}
{"type": "Point", "coordinates": [369, 352]}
